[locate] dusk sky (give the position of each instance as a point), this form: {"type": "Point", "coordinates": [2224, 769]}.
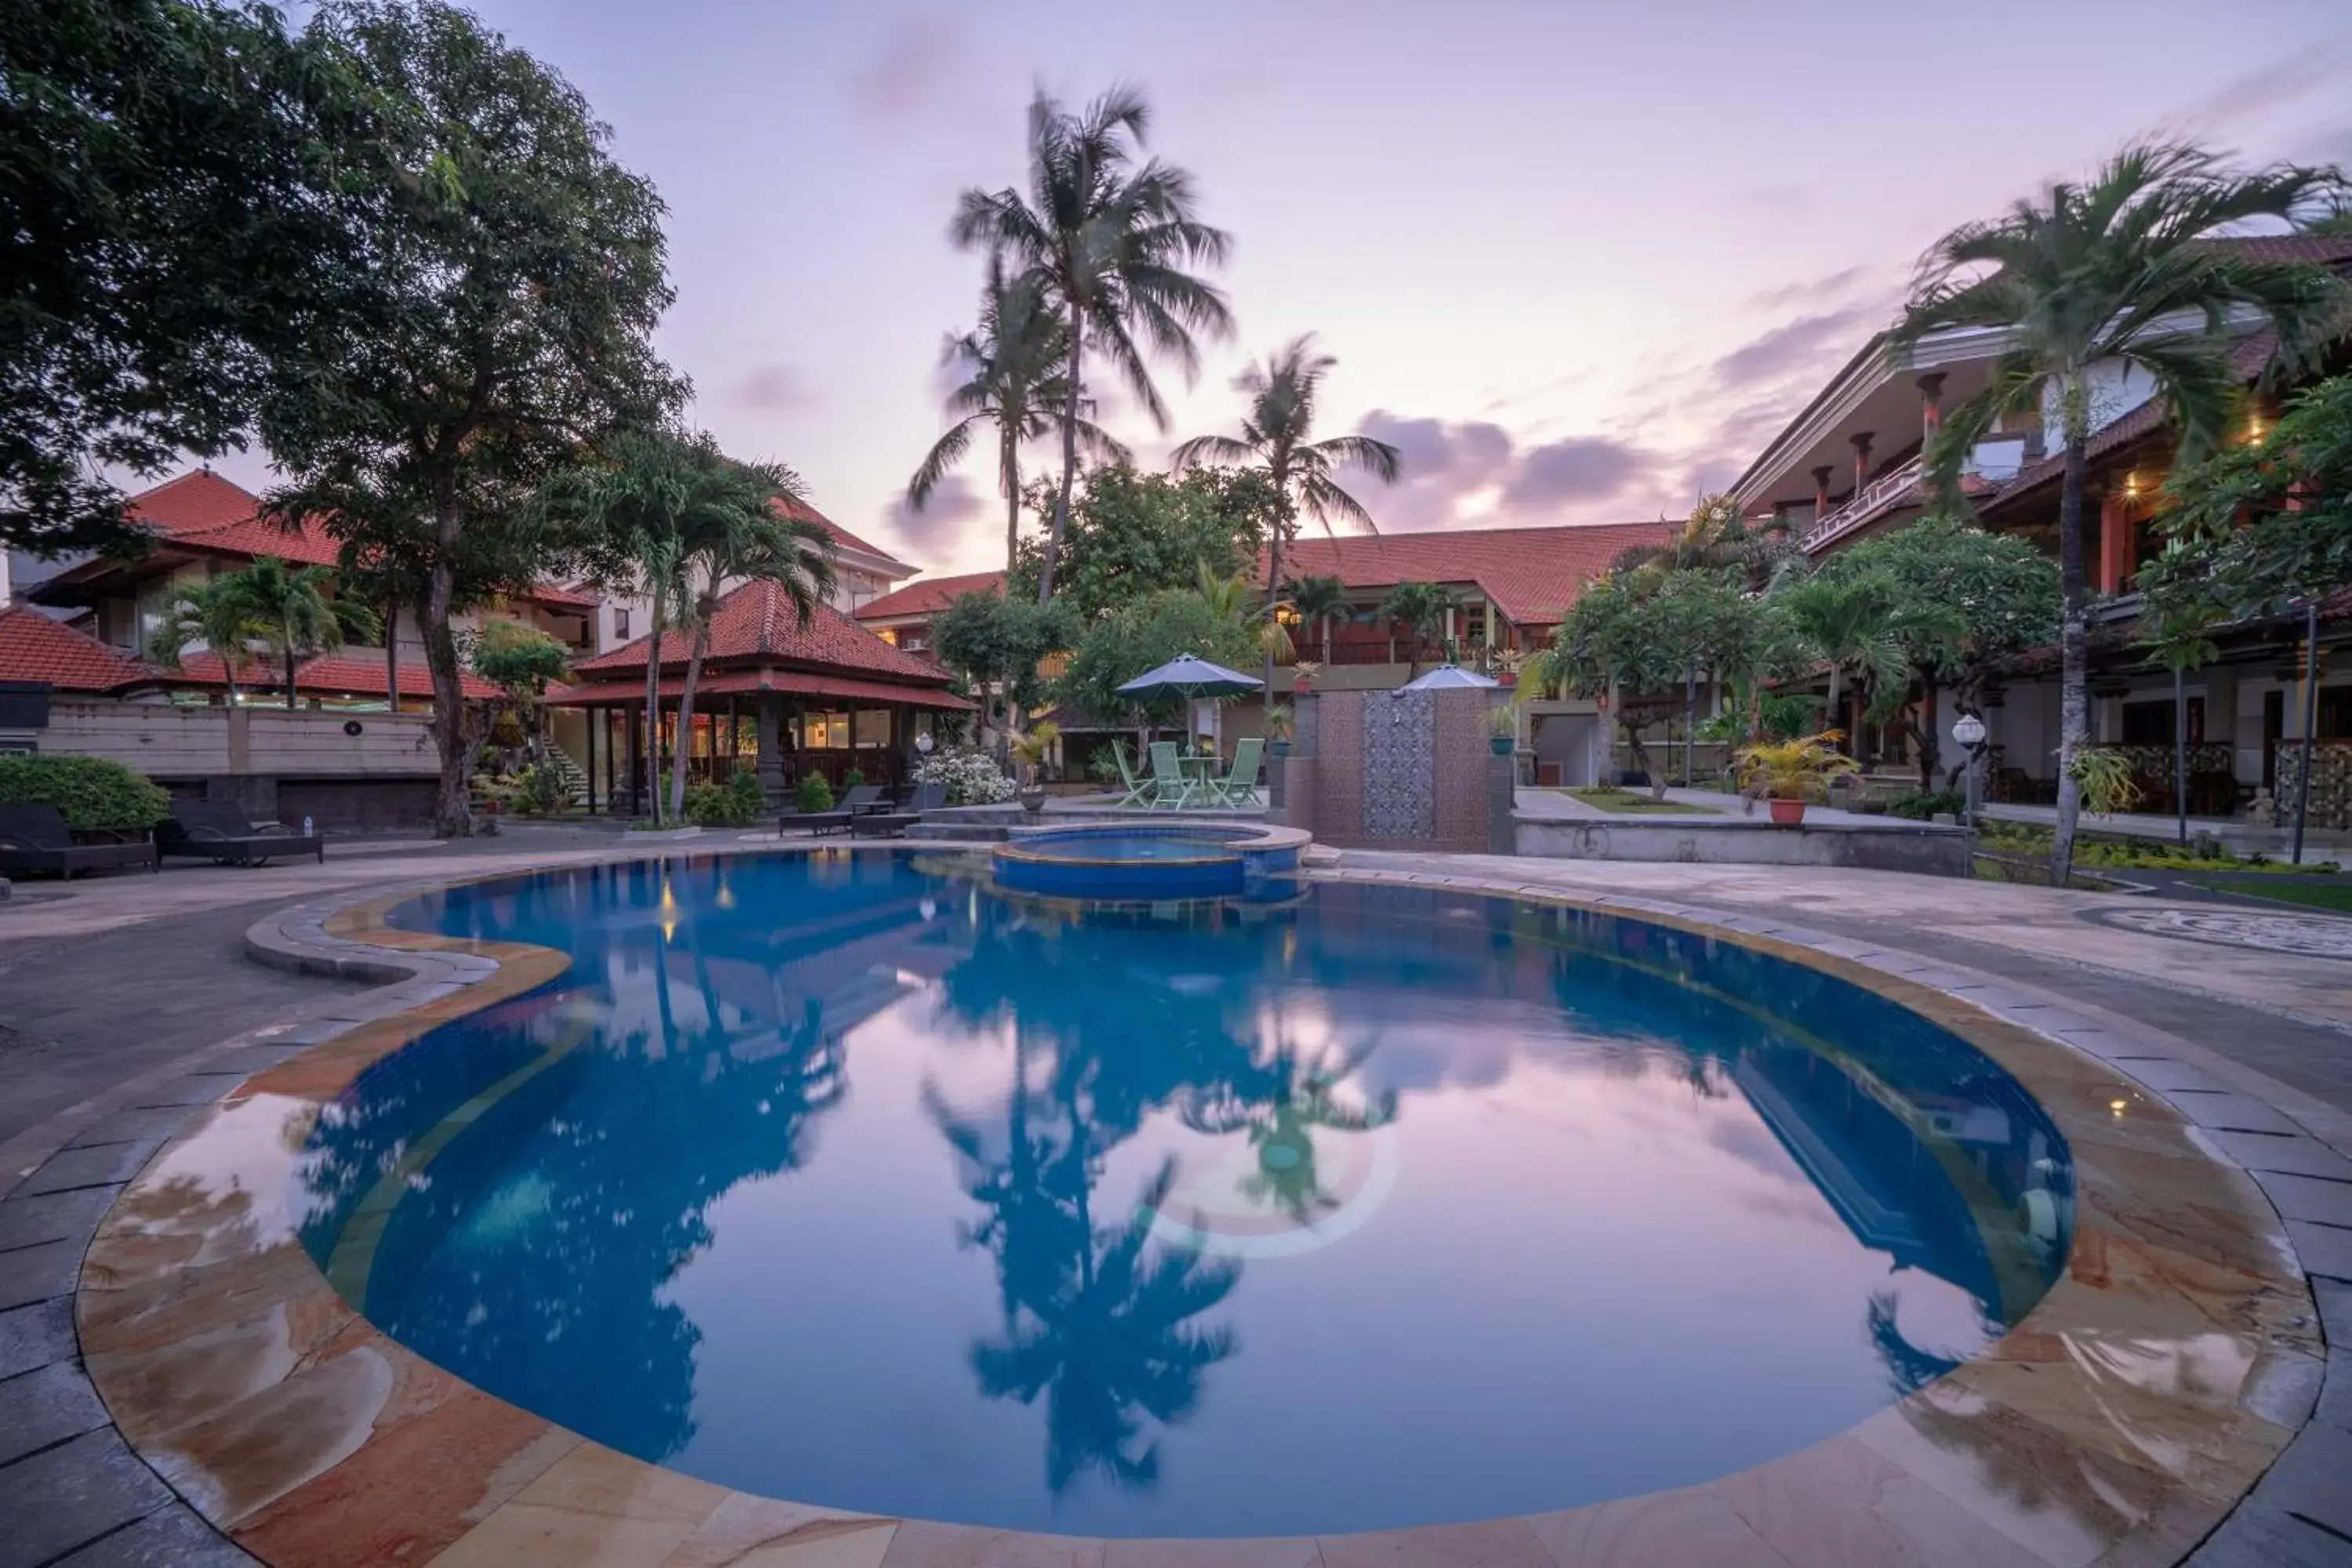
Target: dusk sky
{"type": "Point", "coordinates": [1578, 262]}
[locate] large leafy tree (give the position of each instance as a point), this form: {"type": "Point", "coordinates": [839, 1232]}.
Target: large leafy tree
{"type": "Point", "coordinates": [165, 166]}
{"type": "Point", "coordinates": [2255, 529]}
{"type": "Point", "coordinates": [1111, 240]}
{"type": "Point", "coordinates": [2113, 271]}
{"type": "Point", "coordinates": [1715, 536]}
{"type": "Point", "coordinates": [1276, 440]}
{"type": "Point", "coordinates": [1014, 367]}
{"type": "Point", "coordinates": [998, 641]}
{"type": "Point", "coordinates": [1132, 534]}
{"type": "Point", "coordinates": [522, 661]}
{"type": "Point", "coordinates": [1143, 635]}
{"type": "Point", "coordinates": [1965, 600]}
{"type": "Point", "coordinates": [500, 324]}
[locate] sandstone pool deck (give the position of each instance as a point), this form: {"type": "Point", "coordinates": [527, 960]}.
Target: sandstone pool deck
{"type": "Point", "coordinates": [2182, 1361]}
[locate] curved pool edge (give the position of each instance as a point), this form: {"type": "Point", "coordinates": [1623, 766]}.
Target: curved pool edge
{"type": "Point", "coordinates": [2134, 1406]}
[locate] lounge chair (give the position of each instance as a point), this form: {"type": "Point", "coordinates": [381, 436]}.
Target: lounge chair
{"type": "Point", "coordinates": [1138, 790]}
{"type": "Point", "coordinates": [1239, 787]}
{"type": "Point", "coordinates": [1170, 787]}
{"type": "Point", "coordinates": [890, 823]}
{"type": "Point", "coordinates": [860, 800]}
{"type": "Point", "coordinates": [36, 838]}
{"type": "Point", "coordinates": [219, 831]}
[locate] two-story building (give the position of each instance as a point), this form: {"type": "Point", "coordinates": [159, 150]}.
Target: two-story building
{"type": "Point", "coordinates": [1848, 468]}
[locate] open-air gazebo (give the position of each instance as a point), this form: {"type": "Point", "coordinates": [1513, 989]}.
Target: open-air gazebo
{"type": "Point", "coordinates": [775, 695]}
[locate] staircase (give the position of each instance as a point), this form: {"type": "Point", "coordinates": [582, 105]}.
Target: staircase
{"type": "Point", "coordinates": [575, 781]}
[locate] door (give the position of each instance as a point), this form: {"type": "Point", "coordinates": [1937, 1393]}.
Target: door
{"type": "Point", "coordinates": [2274, 729]}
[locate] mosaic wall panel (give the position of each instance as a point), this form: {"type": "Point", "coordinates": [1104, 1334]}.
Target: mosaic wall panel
{"type": "Point", "coordinates": [1400, 765]}
{"type": "Point", "coordinates": [1339, 767]}
{"type": "Point", "coordinates": [1462, 760]}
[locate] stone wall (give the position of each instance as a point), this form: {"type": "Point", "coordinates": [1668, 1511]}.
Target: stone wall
{"type": "Point", "coordinates": [2331, 790]}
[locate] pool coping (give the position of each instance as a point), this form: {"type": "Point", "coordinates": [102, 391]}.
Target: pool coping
{"type": "Point", "coordinates": [2119, 1423]}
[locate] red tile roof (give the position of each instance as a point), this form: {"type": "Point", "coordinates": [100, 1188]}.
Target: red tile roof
{"type": "Point", "coordinates": [744, 683]}
{"type": "Point", "coordinates": [202, 511]}
{"type": "Point", "coordinates": [34, 647]}
{"type": "Point", "coordinates": [757, 622]}
{"type": "Point", "coordinates": [1533, 574]}
{"type": "Point", "coordinates": [327, 675]}
{"type": "Point", "coordinates": [929, 595]}
{"type": "Point", "coordinates": [2328, 248]}
{"type": "Point", "coordinates": [841, 535]}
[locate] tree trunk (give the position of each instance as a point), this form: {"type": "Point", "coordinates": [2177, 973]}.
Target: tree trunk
{"type": "Point", "coordinates": [1069, 460]}
{"type": "Point", "coordinates": [653, 709]}
{"type": "Point", "coordinates": [392, 656]}
{"type": "Point", "coordinates": [453, 812]}
{"type": "Point", "coordinates": [1009, 476]}
{"type": "Point", "coordinates": [2073, 652]}
{"type": "Point", "coordinates": [1274, 570]}
{"type": "Point", "coordinates": [677, 761]}
{"type": "Point", "coordinates": [289, 677]}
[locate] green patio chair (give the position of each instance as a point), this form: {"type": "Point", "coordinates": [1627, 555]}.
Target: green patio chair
{"type": "Point", "coordinates": [1138, 789]}
{"type": "Point", "coordinates": [1239, 787]}
{"type": "Point", "coordinates": [1170, 787]}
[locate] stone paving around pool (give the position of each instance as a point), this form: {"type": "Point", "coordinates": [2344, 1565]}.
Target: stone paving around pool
{"type": "Point", "coordinates": [2182, 1361]}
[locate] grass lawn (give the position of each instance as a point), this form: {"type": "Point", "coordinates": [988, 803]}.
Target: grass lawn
{"type": "Point", "coordinates": [1632, 803]}
{"type": "Point", "coordinates": [2335, 896]}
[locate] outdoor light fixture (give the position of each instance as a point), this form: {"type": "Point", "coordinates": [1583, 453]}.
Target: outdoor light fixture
{"type": "Point", "coordinates": [923, 742]}
{"type": "Point", "coordinates": [1969, 731]}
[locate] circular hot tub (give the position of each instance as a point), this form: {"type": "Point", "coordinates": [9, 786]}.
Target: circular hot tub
{"type": "Point", "coordinates": [1148, 861]}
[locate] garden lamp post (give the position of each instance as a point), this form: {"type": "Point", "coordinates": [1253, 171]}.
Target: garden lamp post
{"type": "Point", "coordinates": [1969, 731]}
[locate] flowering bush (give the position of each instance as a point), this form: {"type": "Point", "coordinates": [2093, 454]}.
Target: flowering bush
{"type": "Point", "coordinates": [972, 777]}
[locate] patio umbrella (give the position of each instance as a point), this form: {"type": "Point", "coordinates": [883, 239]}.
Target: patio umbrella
{"type": "Point", "coordinates": [1191, 677]}
{"type": "Point", "coordinates": [1446, 676]}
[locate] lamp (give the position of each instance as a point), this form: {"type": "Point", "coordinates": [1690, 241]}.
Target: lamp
{"type": "Point", "coordinates": [923, 742]}
{"type": "Point", "coordinates": [1969, 731]}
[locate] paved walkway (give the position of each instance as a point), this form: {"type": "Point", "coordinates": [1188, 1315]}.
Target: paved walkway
{"type": "Point", "coordinates": [125, 1004]}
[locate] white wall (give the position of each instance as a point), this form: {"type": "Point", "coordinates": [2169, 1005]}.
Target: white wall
{"type": "Point", "coordinates": [163, 740]}
{"type": "Point", "coordinates": [2117, 387]}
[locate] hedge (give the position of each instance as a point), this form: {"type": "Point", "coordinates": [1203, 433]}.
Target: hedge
{"type": "Point", "coordinates": [90, 792]}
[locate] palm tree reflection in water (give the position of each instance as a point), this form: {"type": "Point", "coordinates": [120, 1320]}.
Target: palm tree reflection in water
{"type": "Point", "coordinates": [1101, 1320]}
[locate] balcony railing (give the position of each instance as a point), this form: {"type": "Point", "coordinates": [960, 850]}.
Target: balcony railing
{"type": "Point", "coordinates": [1872, 502]}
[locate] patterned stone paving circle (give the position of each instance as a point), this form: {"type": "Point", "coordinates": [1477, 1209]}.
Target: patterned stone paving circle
{"type": "Point", "coordinates": [2303, 936]}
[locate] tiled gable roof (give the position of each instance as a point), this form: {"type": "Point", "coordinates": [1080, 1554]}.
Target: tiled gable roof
{"type": "Point", "coordinates": [757, 621]}
{"type": "Point", "coordinates": [34, 647]}
{"type": "Point", "coordinates": [841, 535]}
{"type": "Point", "coordinates": [929, 595]}
{"type": "Point", "coordinates": [323, 675]}
{"type": "Point", "coordinates": [1533, 574]}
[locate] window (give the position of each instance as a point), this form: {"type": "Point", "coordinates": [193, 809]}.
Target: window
{"type": "Point", "coordinates": [874, 727]}
{"type": "Point", "coordinates": [825, 731]}
{"type": "Point", "coordinates": [2147, 723]}
{"type": "Point", "coordinates": [621, 622]}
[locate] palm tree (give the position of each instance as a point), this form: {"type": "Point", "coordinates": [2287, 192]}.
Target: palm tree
{"type": "Point", "coordinates": [737, 525]}
{"type": "Point", "coordinates": [296, 613]}
{"type": "Point", "coordinates": [1317, 599]}
{"type": "Point", "coordinates": [1015, 370]}
{"type": "Point", "coordinates": [1863, 625]}
{"type": "Point", "coordinates": [1421, 609]}
{"type": "Point", "coordinates": [221, 615]}
{"type": "Point", "coordinates": [1715, 536]}
{"type": "Point", "coordinates": [1108, 242]}
{"type": "Point", "coordinates": [1275, 440]}
{"type": "Point", "coordinates": [659, 505]}
{"type": "Point", "coordinates": [2112, 271]}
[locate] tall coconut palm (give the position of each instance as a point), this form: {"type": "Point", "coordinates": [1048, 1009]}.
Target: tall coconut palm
{"type": "Point", "coordinates": [1015, 369]}
{"type": "Point", "coordinates": [2113, 272]}
{"type": "Point", "coordinates": [297, 613]}
{"type": "Point", "coordinates": [1274, 439]}
{"type": "Point", "coordinates": [1713, 537]}
{"type": "Point", "coordinates": [1318, 600]}
{"type": "Point", "coordinates": [1110, 241]}
{"type": "Point", "coordinates": [1421, 609]}
{"type": "Point", "coordinates": [740, 525]}
{"type": "Point", "coordinates": [220, 615]}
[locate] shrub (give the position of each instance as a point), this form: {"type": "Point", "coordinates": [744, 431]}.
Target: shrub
{"type": "Point", "coordinates": [90, 793]}
{"type": "Point", "coordinates": [973, 778]}
{"type": "Point", "coordinates": [737, 803]}
{"type": "Point", "coordinates": [1920, 805]}
{"type": "Point", "coordinates": [814, 793]}
{"type": "Point", "coordinates": [541, 790]}
{"type": "Point", "coordinates": [852, 778]}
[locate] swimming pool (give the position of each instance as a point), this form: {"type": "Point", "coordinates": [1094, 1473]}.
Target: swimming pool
{"type": "Point", "coordinates": [840, 1179]}
{"type": "Point", "coordinates": [1128, 861]}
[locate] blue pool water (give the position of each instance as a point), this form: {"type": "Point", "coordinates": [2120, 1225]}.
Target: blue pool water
{"type": "Point", "coordinates": [1139, 846]}
{"type": "Point", "coordinates": [842, 1179]}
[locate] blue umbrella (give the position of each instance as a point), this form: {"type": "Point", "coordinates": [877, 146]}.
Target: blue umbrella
{"type": "Point", "coordinates": [1190, 675]}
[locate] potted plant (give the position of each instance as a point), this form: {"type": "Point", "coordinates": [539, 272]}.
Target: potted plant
{"type": "Point", "coordinates": [1030, 751]}
{"type": "Point", "coordinates": [1505, 663]}
{"type": "Point", "coordinates": [1278, 730]}
{"type": "Point", "coordinates": [1303, 676]}
{"type": "Point", "coordinates": [1787, 774]}
{"type": "Point", "coordinates": [1503, 730]}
